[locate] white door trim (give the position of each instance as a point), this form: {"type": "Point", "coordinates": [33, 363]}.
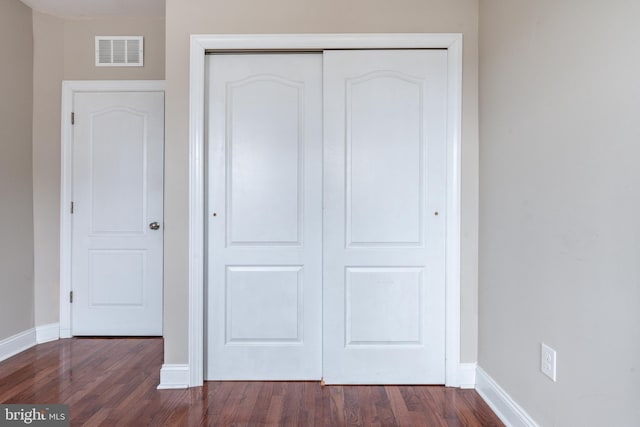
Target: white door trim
{"type": "Point", "coordinates": [69, 88]}
{"type": "Point", "coordinates": [200, 44]}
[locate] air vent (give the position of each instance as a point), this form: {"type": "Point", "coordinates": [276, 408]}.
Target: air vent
{"type": "Point", "coordinates": [119, 51]}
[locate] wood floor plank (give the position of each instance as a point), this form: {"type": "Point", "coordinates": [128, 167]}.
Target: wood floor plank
{"type": "Point", "coordinates": [383, 406]}
{"type": "Point", "coordinates": [230, 411]}
{"type": "Point", "coordinates": [289, 415]}
{"type": "Point", "coordinates": [218, 394]}
{"type": "Point", "coordinates": [441, 402]}
{"type": "Point", "coordinates": [262, 404]}
{"type": "Point", "coordinates": [97, 419]}
{"type": "Point", "coordinates": [352, 414]}
{"type": "Point", "coordinates": [274, 413]}
{"type": "Point", "coordinates": [112, 382]}
{"type": "Point", "coordinates": [421, 409]}
{"type": "Point", "coordinates": [247, 402]}
{"type": "Point", "coordinates": [308, 406]}
{"type": "Point", "coordinates": [368, 410]}
{"type": "Point", "coordinates": [480, 409]}
{"type": "Point", "coordinates": [336, 405]}
{"type": "Point", "coordinates": [398, 406]}
{"type": "Point", "coordinates": [325, 408]}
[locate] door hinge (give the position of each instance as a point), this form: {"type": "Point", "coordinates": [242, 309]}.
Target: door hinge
{"type": "Point", "coordinates": [72, 207]}
{"type": "Point", "coordinates": [73, 118]}
{"type": "Point", "coordinates": [71, 296]}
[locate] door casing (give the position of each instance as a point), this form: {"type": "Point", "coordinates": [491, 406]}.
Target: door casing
{"type": "Point", "coordinates": [200, 44]}
{"type": "Point", "coordinates": [69, 88]}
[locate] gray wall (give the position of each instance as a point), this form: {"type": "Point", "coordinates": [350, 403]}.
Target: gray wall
{"type": "Point", "coordinates": [560, 206]}
{"type": "Point", "coordinates": [16, 193]}
{"type": "Point", "coordinates": [47, 88]}
{"type": "Point", "coordinates": [185, 17]}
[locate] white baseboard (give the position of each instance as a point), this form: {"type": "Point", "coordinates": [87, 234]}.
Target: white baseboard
{"type": "Point", "coordinates": [46, 333]}
{"type": "Point", "coordinates": [177, 376]}
{"type": "Point", "coordinates": [467, 375]}
{"type": "Point", "coordinates": [174, 376]}
{"type": "Point", "coordinates": [17, 343]}
{"type": "Point", "coordinates": [502, 404]}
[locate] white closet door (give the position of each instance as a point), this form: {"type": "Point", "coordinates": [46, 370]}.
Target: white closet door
{"type": "Point", "coordinates": [265, 217]}
{"type": "Point", "coordinates": [384, 218]}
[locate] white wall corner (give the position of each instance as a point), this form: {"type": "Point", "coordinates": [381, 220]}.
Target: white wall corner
{"type": "Point", "coordinates": [46, 333]}
{"type": "Point", "coordinates": [17, 343]}
{"type": "Point", "coordinates": [174, 376]}
{"type": "Point", "coordinates": [501, 403]}
{"type": "Point", "coordinates": [467, 375]}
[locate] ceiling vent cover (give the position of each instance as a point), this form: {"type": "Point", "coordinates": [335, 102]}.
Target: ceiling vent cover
{"type": "Point", "coordinates": [119, 51]}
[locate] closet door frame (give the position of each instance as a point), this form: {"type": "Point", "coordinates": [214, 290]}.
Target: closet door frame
{"type": "Point", "coordinates": [192, 375]}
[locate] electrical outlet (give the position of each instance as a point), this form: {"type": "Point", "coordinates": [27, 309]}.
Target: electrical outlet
{"type": "Point", "coordinates": [548, 361]}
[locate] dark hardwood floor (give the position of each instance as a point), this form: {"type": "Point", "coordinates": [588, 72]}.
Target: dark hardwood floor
{"type": "Point", "coordinates": [112, 382]}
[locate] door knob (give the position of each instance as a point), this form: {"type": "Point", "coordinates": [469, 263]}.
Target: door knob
{"type": "Point", "coordinates": [154, 225]}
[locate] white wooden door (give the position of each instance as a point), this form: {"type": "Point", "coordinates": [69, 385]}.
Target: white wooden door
{"type": "Point", "coordinates": [264, 217]}
{"type": "Point", "coordinates": [384, 218]}
{"type": "Point", "coordinates": [118, 141]}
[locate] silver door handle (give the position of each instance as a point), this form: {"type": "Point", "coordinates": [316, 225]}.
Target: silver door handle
{"type": "Point", "coordinates": [154, 225]}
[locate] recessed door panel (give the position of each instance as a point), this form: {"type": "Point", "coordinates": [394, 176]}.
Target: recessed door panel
{"type": "Point", "coordinates": [265, 155]}
{"type": "Point", "coordinates": [384, 133]}
{"type": "Point", "coordinates": [264, 305]}
{"type": "Point", "coordinates": [384, 306]}
{"type": "Point", "coordinates": [118, 171]}
{"type": "Point", "coordinates": [116, 278]}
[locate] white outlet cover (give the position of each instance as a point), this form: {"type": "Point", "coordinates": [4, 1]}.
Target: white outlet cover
{"type": "Point", "coordinates": [548, 361]}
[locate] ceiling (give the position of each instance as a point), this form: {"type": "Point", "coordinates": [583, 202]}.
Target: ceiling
{"type": "Point", "coordinates": [98, 8]}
